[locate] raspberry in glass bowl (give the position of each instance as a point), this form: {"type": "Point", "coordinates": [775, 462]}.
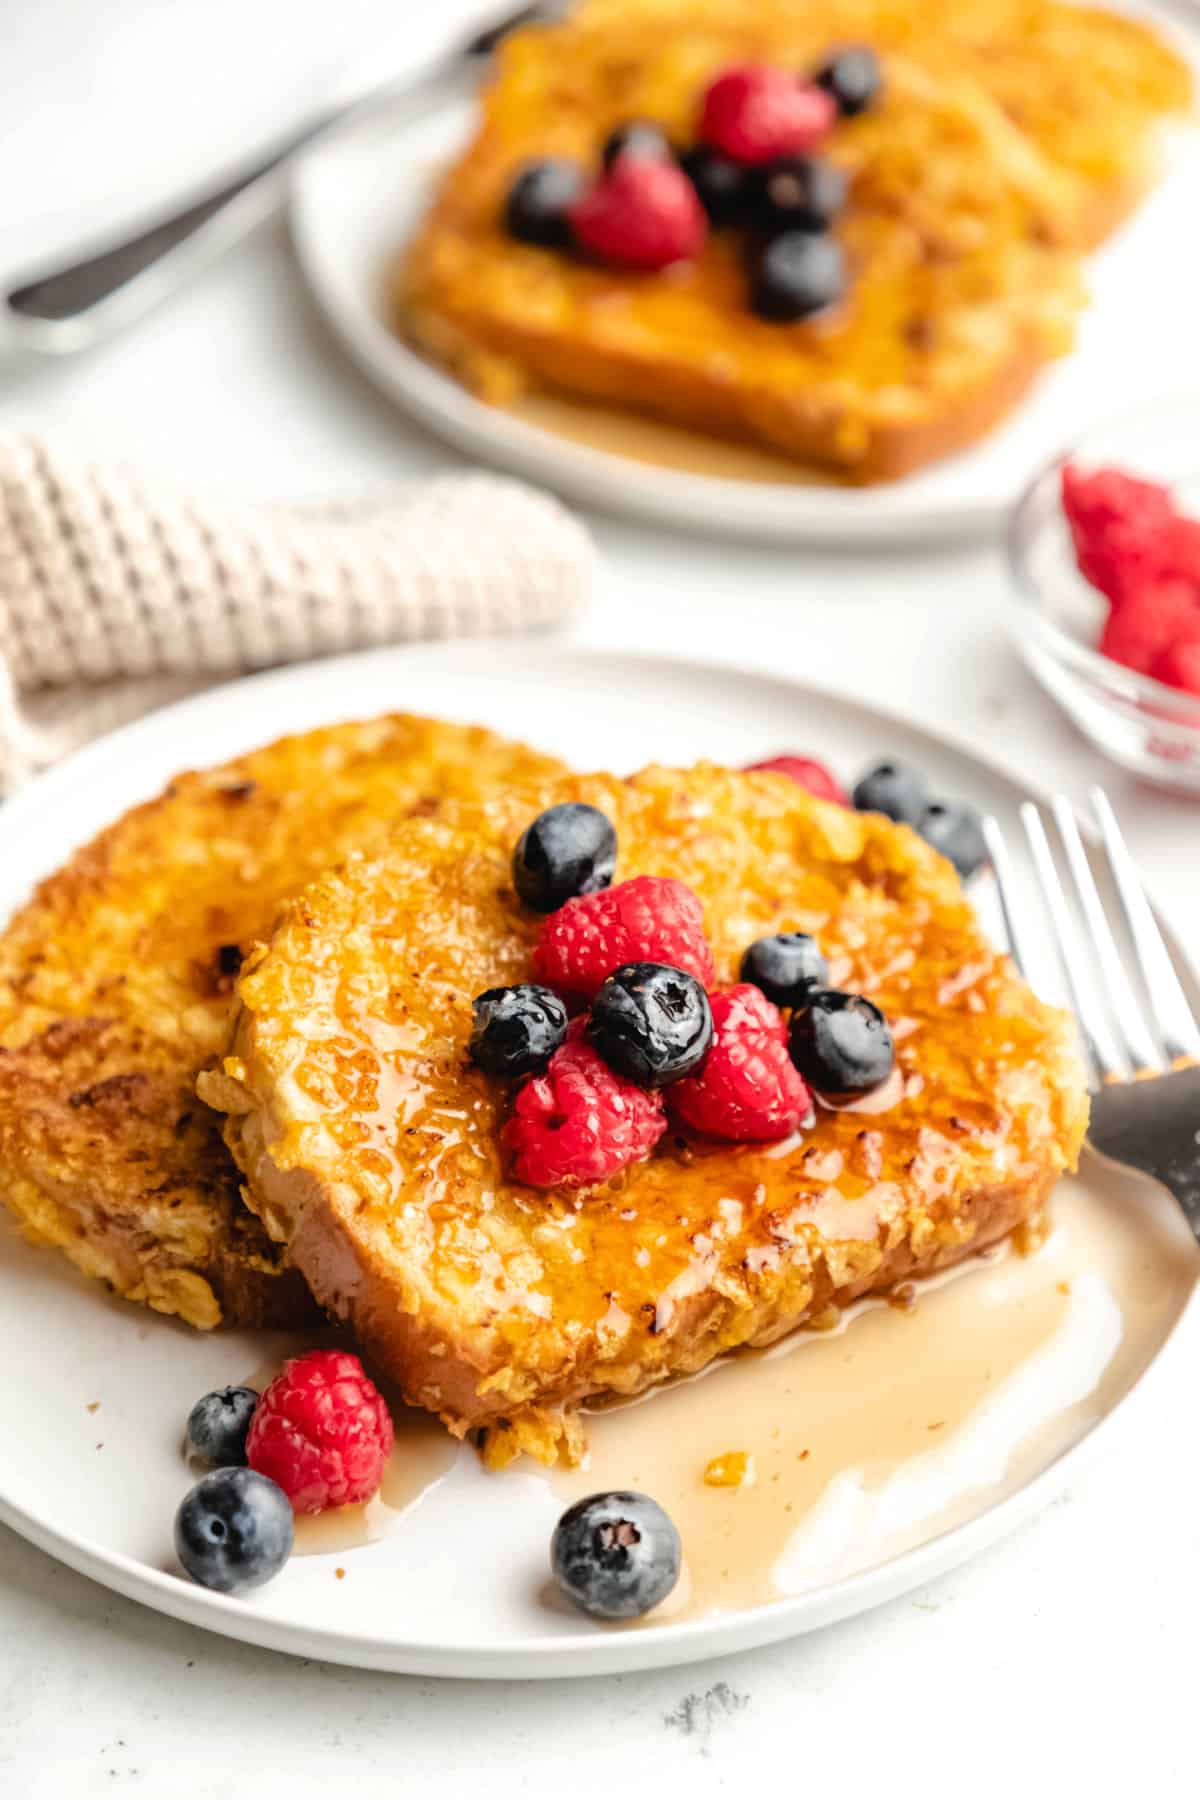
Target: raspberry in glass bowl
{"type": "Point", "coordinates": [1113, 645]}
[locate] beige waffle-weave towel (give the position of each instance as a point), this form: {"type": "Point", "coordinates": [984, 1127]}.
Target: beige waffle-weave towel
{"type": "Point", "coordinates": [118, 592]}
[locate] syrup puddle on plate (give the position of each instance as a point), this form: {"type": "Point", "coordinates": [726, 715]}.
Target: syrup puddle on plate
{"type": "Point", "coordinates": [906, 1419]}
{"type": "Point", "coordinates": [911, 1416]}
{"type": "Point", "coordinates": [662, 446]}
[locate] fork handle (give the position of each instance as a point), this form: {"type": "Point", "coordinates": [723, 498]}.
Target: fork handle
{"type": "Point", "coordinates": [1155, 1126]}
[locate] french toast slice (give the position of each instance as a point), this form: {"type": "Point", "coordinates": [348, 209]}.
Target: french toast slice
{"type": "Point", "coordinates": [116, 983]}
{"type": "Point", "coordinates": [371, 1145]}
{"type": "Point", "coordinates": [1009, 135]}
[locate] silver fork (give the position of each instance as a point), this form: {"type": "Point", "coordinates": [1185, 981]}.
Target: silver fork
{"type": "Point", "coordinates": [1143, 1057]}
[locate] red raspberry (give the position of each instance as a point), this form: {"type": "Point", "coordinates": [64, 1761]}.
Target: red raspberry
{"type": "Point", "coordinates": [643, 214]}
{"type": "Point", "coordinates": [747, 1089]}
{"type": "Point", "coordinates": [814, 777]}
{"type": "Point", "coordinates": [648, 919]}
{"type": "Point", "coordinates": [1107, 496]}
{"type": "Point", "coordinates": [1150, 620]}
{"type": "Point", "coordinates": [754, 113]}
{"type": "Point", "coordinates": [1179, 664]}
{"type": "Point", "coordinates": [1121, 527]}
{"type": "Point", "coordinates": [1181, 549]}
{"type": "Point", "coordinates": [580, 1122]}
{"type": "Point", "coordinates": [322, 1431]}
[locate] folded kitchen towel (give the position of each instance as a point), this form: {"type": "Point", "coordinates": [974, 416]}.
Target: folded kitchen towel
{"type": "Point", "coordinates": [119, 592]}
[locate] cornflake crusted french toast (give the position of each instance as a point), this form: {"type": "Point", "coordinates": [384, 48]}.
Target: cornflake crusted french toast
{"type": "Point", "coordinates": [116, 983]}
{"type": "Point", "coordinates": [1005, 137]}
{"type": "Point", "coordinates": [372, 1144]}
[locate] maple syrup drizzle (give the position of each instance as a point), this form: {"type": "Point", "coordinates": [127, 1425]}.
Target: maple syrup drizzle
{"type": "Point", "coordinates": [911, 1414]}
{"type": "Point", "coordinates": [662, 446]}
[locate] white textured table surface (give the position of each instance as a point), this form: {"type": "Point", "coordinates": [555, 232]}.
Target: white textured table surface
{"type": "Point", "coordinates": [1061, 1662]}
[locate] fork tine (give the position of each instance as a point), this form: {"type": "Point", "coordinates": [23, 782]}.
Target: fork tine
{"type": "Point", "coordinates": [1123, 1002]}
{"type": "Point", "coordinates": [1098, 1040]}
{"type": "Point", "coordinates": [1002, 869]}
{"type": "Point", "coordinates": [1172, 1013]}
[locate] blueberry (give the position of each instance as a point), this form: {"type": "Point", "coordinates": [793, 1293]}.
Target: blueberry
{"type": "Point", "coordinates": [539, 200]}
{"type": "Point", "coordinates": [568, 850]}
{"type": "Point", "coordinates": [787, 968]}
{"type": "Point", "coordinates": [517, 1029]}
{"type": "Point", "coordinates": [234, 1530]}
{"type": "Point", "coordinates": [895, 790]}
{"type": "Point", "coordinates": [957, 831]}
{"type": "Point", "coordinates": [798, 274]}
{"type": "Point", "coordinates": [217, 1425]}
{"type": "Point", "coordinates": [841, 1043]}
{"type": "Point", "coordinates": [720, 183]}
{"type": "Point", "coordinates": [798, 193]}
{"type": "Point", "coordinates": [853, 77]}
{"type": "Point", "coordinates": [637, 137]}
{"type": "Point", "coordinates": [615, 1555]}
{"type": "Point", "coordinates": [651, 1023]}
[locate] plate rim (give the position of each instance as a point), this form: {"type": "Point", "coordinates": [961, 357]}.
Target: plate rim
{"type": "Point", "coordinates": [565, 1656]}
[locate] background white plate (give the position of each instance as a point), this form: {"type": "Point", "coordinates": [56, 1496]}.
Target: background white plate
{"type": "Point", "coordinates": [357, 197]}
{"type": "Point", "coordinates": [456, 1588]}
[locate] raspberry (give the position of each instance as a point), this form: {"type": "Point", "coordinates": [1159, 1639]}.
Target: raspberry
{"type": "Point", "coordinates": [748, 1089]}
{"type": "Point", "coordinates": [754, 113]}
{"type": "Point", "coordinates": [814, 777]}
{"type": "Point", "coordinates": [1121, 529]}
{"type": "Point", "coordinates": [1179, 664]}
{"type": "Point", "coordinates": [322, 1431]}
{"type": "Point", "coordinates": [1150, 620]}
{"type": "Point", "coordinates": [643, 214]}
{"type": "Point", "coordinates": [1181, 549]}
{"type": "Point", "coordinates": [580, 1122]}
{"type": "Point", "coordinates": [648, 919]}
{"type": "Point", "coordinates": [1108, 496]}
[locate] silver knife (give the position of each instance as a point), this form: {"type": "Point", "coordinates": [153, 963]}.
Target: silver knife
{"type": "Point", "coordinates": [79, 303]}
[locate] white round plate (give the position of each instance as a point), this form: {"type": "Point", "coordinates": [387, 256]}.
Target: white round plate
{"type": "Point", "coordinates": [458, 1587]}
{"type": "Point", "coordinates": [357, 197]}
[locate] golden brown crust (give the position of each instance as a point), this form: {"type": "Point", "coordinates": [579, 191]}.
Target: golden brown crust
{"type": "Point", "coordinates": [371, 1145]}
{"type": "Point", "coordinates": [116, 982]}
{"type": "Point", "coordinates": [975, 183]}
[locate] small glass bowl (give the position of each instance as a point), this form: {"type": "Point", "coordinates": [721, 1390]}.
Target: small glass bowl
{"type": "Point", "coordinates": [1139, 723]}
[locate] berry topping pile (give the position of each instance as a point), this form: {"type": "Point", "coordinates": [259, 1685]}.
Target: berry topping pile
{"type": "Point", "coordinates": [754, 164]}
{"type": "Point", "coordinates": [322, 1431]}
{"type": "Point", "coordinates": [653, 1039]}
{"type": "Point", "coordinates": [1138, 550]}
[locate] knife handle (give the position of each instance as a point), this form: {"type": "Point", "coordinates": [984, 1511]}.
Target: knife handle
{"type": "Point", "coordinates": [63, 310]}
